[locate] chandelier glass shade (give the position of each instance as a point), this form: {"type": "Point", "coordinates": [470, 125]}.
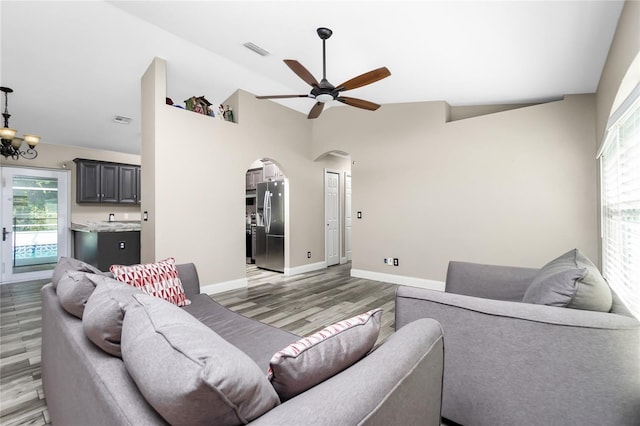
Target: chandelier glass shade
{"type": "Point", "coordinates": [11, 144]}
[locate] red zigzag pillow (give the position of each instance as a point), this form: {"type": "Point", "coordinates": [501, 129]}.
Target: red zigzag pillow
{"type": "Point", "coordinates": [158, 279]}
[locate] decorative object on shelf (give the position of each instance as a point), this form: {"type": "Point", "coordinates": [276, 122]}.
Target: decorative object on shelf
{"type": "Point", "coordinates": [228, 114]}
{"type": "Point", "coordinates": [10, 143]}
{"type": "Point", "coordinates": [169, 101]}
{"type": "Point", "coordinates": [199, 105]}
{"type": "Point", "coordinates": [324, 91]}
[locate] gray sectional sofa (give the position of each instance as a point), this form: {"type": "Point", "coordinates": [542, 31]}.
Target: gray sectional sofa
{"type": "Point", "coordinates": [513, 363]}
{"type": "Point", "coordinates": [400, 382]}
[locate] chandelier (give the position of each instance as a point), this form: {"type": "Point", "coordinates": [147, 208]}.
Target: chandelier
{"type": "Point", "coordinates": [11, 145]}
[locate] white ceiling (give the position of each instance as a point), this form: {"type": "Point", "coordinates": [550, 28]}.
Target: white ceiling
{"type": "Point", "coordinates": [75, 65]}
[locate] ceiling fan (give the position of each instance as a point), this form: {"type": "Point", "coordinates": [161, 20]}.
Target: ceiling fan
{"type": "Point", "coordinates": [324, 91]}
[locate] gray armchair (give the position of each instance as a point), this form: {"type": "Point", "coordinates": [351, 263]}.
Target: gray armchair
{"type": "Point", "coordinates": [513, 363]}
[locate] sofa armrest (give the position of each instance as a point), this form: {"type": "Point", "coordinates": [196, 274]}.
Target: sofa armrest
{"type": "Point", "coordinates": [399, 383]}
{"type": "Point", "coordinates": [516, 363]}
{"type": "Point", "coordinates": [83, 385]}
{"type": "Point", "coordinates": [188, 274]}
{"type": "Point", "coordinates": [488, 281]}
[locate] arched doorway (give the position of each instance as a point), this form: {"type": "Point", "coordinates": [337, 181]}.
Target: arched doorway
{"type": "Point", "coordinates": [265, 215]}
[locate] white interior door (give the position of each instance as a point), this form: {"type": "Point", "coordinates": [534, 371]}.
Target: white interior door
{"type": "Point", "coordinates": [347, 216]}
{"type": "Point", "coordinates": [332, 216]}
{"type": "Point", "coordinates": [35, 222]}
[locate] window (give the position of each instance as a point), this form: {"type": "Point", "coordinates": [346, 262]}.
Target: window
{"type": "Point", "coordinates": [620, 174]}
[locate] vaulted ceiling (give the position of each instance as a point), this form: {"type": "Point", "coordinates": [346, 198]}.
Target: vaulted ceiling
{"type": "Point", "coordinates": [75, 65]}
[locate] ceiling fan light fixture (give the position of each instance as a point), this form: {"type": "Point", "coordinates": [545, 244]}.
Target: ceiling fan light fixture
{"type": "Point", "coordinates": [324, 98]}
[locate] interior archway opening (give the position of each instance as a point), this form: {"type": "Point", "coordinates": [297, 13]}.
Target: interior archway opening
{"type": "Point", "coordinates": [266, 217]}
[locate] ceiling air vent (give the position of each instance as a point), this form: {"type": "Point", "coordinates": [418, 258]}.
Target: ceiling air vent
{"type": "Point", "coordinates": [259, 50]}
{"type": "Point", "coordinates": [122, 120]}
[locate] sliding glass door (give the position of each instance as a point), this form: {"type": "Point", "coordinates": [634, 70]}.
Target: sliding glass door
{"type": "Point", "coordinates": [35, 222]}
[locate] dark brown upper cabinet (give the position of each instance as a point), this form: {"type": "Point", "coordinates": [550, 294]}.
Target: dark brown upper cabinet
{"type": "Point", "coordinates": [105, 182]}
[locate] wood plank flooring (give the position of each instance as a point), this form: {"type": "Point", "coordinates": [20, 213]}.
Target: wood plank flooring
{"type": "Point", "coordinates": [301, 304]}
{"type": "Point", "coordinates": [306, 303]}
{"type": "Point", "coordinates": [21, 397]}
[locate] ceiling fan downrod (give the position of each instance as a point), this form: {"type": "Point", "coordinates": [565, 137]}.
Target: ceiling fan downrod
{"type": "Point", "coordinates": [324, 34]}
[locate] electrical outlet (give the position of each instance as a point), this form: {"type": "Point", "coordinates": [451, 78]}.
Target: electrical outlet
{"type": "Point", "coordinates": [359, 215]}
{"type": "Point", "coordinates": [308, 255]}
{"type": "Point", "coordinates": [388, 261]}
{"type": "Point", "coordinates": [395, 261]}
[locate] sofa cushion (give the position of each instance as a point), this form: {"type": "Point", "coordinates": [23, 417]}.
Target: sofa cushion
{"type": "Point", "coordinates": [74, 289]}
{"type": "Point", "coordinates": [188, 373]}
{"type": "Point", "coordinates": [68, 263]}
{"type": "Point", "coordinates": [572, 281]}
{"type": "Point", "coordinates": [313, 359]}
{"type": "Point", "coordinates": [158, 279]}
{"type": "Point", "coordinates": [104, 312]}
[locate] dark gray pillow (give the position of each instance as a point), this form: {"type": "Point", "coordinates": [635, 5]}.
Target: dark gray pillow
{"type": "Point", "coordinates": [104, 312]}
{"type": "Point", "coordinates": [187, 372]}
{"type": "Point", "coordinates": [74, 289]}
{"type": "Point", "coordinates": [313, 359]}
{"type": "Point", "coordinates": [68, 263]}
{"type": "Point", "coordinates": [571, 281]}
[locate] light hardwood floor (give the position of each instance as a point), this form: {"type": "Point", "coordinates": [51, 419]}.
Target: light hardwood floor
{"type": "Point", "coordinates": [301, 304]}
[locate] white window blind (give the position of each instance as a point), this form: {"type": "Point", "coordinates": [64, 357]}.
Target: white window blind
{"type": "Point", "coordinates": [620, 174]}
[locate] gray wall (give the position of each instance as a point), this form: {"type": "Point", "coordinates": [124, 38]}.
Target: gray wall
{"type": "Point", "coordinates": [515, 187]}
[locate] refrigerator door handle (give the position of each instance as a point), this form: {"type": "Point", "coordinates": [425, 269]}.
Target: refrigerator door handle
{"type": "Point", "coordinates": [267, 211]}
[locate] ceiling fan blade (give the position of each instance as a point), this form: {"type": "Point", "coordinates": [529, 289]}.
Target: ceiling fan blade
{"type": "Point", "coordinates": [358, 103]}
{"type": "Point", "coordinates": [302, 72]}
{"type": "Point", "coordinates": [364, 79]}
{"type": "Point", "coordinates": [316, 110]}
{"type": "Point", "coordinates": [282, 96]}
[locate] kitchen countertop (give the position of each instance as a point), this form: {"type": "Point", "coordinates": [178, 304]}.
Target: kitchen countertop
{"type": "Point", "coordinates": [105, 226]}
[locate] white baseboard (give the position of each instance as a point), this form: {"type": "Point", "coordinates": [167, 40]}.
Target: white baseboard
{"type": "Point", "coordinates": [224, 286]}
{"type": "Point", "coordinates": [398, 279]}
{"type": "Point", "coordinates": [304, 268]}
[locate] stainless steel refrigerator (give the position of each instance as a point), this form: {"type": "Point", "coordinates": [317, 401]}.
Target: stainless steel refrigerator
{"type": "Point", "coordinates": [270, 227]}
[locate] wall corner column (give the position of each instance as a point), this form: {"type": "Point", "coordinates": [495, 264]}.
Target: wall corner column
{"type": "Point", "coordinates": [153, 91]}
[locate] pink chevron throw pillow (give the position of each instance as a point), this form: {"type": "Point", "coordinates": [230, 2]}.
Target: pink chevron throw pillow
{"type": "Point", "coordinates": [158, 279]}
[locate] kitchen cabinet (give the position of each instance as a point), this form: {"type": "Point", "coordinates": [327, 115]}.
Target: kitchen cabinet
{"type": "Point", "coordinates": [271, 172]}
{"type": "Point", "coordinates": [139, 183]}
{"type": "Point", "coordinates": [253, 177]}
{"type": "Point", "coordinates": [96, 182]}
{"type": "Point", "coordinates": [129, 189]}
{"type": "Point", "coordinates": [103, 249]}
{"type": "Point", "coordinates": [105, 182]}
